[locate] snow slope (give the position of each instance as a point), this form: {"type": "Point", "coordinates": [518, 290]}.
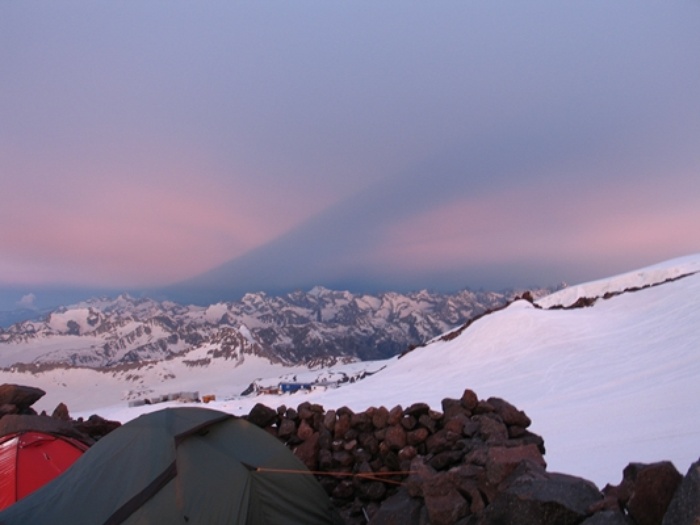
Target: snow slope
{"type": "Point", "coordinates": [605, 385]}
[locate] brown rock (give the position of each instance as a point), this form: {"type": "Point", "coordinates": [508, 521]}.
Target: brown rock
{"type": "Point", "coordinates": [444, 503]}
{"type": "Point", "coordinates": [329, 420]}
{"type": "Point", "coordinates": [417, 436]}
{"type": "Point", "coordinates": [61, 412]}
{"type": "Point", "coordinates": [491, 430]}
{"type": "Point", "coordinates": [395, 438]}
{"type": "Point", "coordinates": [407, 453]}
{"type": "Point", "coordinates": [441, 441]}
{"type": "Point", "coordinates": [547, 498]}
{"type": "Point", "coordinates": [456, 423]}
{"type": "Point", "coordinates": [262, 416]}
{"type": "Point", "coordinates": [428, 422]}
{"type": "Point", "coordinates": [484, 407]}
{"type": "Point", "coordinates": [361, 421]}
{"type": "Point", "coordinates": [305, 430]}
{"type": "Point", "coordinates": [8, 409]}
{"type": "Point", "coordinates": [469, 400]}
{"type": "Point", "coordinates": [380, 417]}
{"type": "Point", "coordinates": [409, 422]}
{"type": "Point", "coordinates": [653, 487]}
{"type": "Point", "coordinates": [509, 414]}
{"type": "Point", "coordinates": [286, 429]}
{"type": "Point", "coordinates": [308, 452]}
{"type": "Point", "coordinates": [395, 415]}
{"type": "Point", "coordinates": [502, 461]}
{"type": "Point", "coordinates": [342, 426]}
{"type": "Point", "coordinates": [21, 396]}
{"type": "Point", "coordinates": [443, 460]}
{"type": "Point", "coordinates": [417, 410]}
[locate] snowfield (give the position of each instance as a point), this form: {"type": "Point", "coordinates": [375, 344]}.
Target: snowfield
{"type": "Point", "coordinates": [605, 385]}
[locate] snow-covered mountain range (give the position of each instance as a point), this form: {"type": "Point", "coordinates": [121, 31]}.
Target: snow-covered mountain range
{"type": "Point", "coordinates": [317, 327]}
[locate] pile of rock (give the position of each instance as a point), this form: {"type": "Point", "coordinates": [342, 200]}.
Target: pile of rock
{"type": "Point", "coordinates": [17, 415]}
{"type": "Point", "coordinates": [474, 463]}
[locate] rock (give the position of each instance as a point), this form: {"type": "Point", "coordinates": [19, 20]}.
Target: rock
{"type": "Point", "coordinates": [399, 509]}
{"type": "Point", "coordinates": [443, 501]}
{"type": "Point", "coordinates": [342, 426]}
{"type": "Point", "coordinates": [418, 436]}
{"type": "Point", "coordinates": [651, 488]}
{"type": "Point", "coordinates": [8, 409]}
{"type": "Point", "coordinates": [380, 417]}
{"type": "Point", "coordinates": [502, 461]}
{"type": "Point", "coordinates": [329, 420]}
{"type": "Point", "coordinates": [61, 412]}
{"type": "Point", "coordinates": [469, 400]}
{"type": "Point", "coordinates": [287, 429]}
{"type": "Point", "coordinates": [395, 438]}
{"type": "Point", "coordinates": [262, 416]}
{"type": "Point", "coordinates": [21, 396]}
{"type": "Point", "coordinates": [446, 459]}
{"type": "Point", "coordinates": [417, 410]}
{"type": "Point", "coordinates": [543, 499]}
{"type": "Point", "coordinates": [509, 414]}
{"type": "Point", "coordinates": [361, 421]}
{"type": "Point", "coordinates": [305, 431]}
{"type": "Point", "coordinates": [308, 452]}
{"type": "Point", "coordinates": [491, 430]}
{"type": "Point", "coordinates": [684, 508]}
{"type": "Point", "coordinates": [456, 423]}
{"type": "Point", "coordinates": [97, 427]}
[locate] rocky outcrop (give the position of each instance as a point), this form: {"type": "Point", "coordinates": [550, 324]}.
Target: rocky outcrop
{"type": "Point", "coordinates": [473, 463]}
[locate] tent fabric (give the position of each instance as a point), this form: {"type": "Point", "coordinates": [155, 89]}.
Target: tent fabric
{"type": "Point", "coordinates": [187, 465]}
{"type": "Point", "coordinates": [29, 460]}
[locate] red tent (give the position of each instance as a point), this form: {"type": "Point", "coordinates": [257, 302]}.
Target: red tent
{"type": "Point", "coordinates": [29, 460]}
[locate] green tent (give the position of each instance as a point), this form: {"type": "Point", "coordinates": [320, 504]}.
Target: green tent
{"type": "Point", "coordinates": [180, 466]}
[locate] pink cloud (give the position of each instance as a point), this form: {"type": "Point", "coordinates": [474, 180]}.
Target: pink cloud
{"type": "Point", "coordinates": [548, 223]}
{"type": "Point", "coordinates": [144, 220]}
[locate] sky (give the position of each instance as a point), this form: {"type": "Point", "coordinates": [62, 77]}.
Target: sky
{"type": "Point", "coordinates": [368, 145]}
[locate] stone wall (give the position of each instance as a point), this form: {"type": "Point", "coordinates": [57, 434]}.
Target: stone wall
{"type": "Point", "coordinates": [473, 463]}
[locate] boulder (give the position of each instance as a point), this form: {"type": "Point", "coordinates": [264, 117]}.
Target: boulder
{"type": "Point", "coordinates": [502, 461]}
{"type": "Point", "coordinates": [509, 414]}
{"type": "Point", "coordinates": [469, 400]}
{"type": "Point", "coordinates": [399, 509]}
{"type": "Point", "coordinates": [61, 412]}
{"type": "Point", "coordinates": [542, 498]}
{"type": "Point", "coordinates": [262, 416]}
{"type": "Point", "coordinates": [444, 503]}
{"type": "Point", "coordinates": [21, 396]}
{"type": "Point", "coordinates": [647, 489]}
{"type": "Point", "coordinates": [684, 508]}
{"type": "Point", "coordinates": [308, 452]}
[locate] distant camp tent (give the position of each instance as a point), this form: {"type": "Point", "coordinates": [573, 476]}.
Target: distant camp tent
{"type": "Point", "coordinates": [185, 465]}
{"type": "Point", "coordinates": [29, 460]}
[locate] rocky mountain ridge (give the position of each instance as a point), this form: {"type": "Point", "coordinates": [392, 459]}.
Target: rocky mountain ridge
{"type": "Point", "coordinates": [317, 327]}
